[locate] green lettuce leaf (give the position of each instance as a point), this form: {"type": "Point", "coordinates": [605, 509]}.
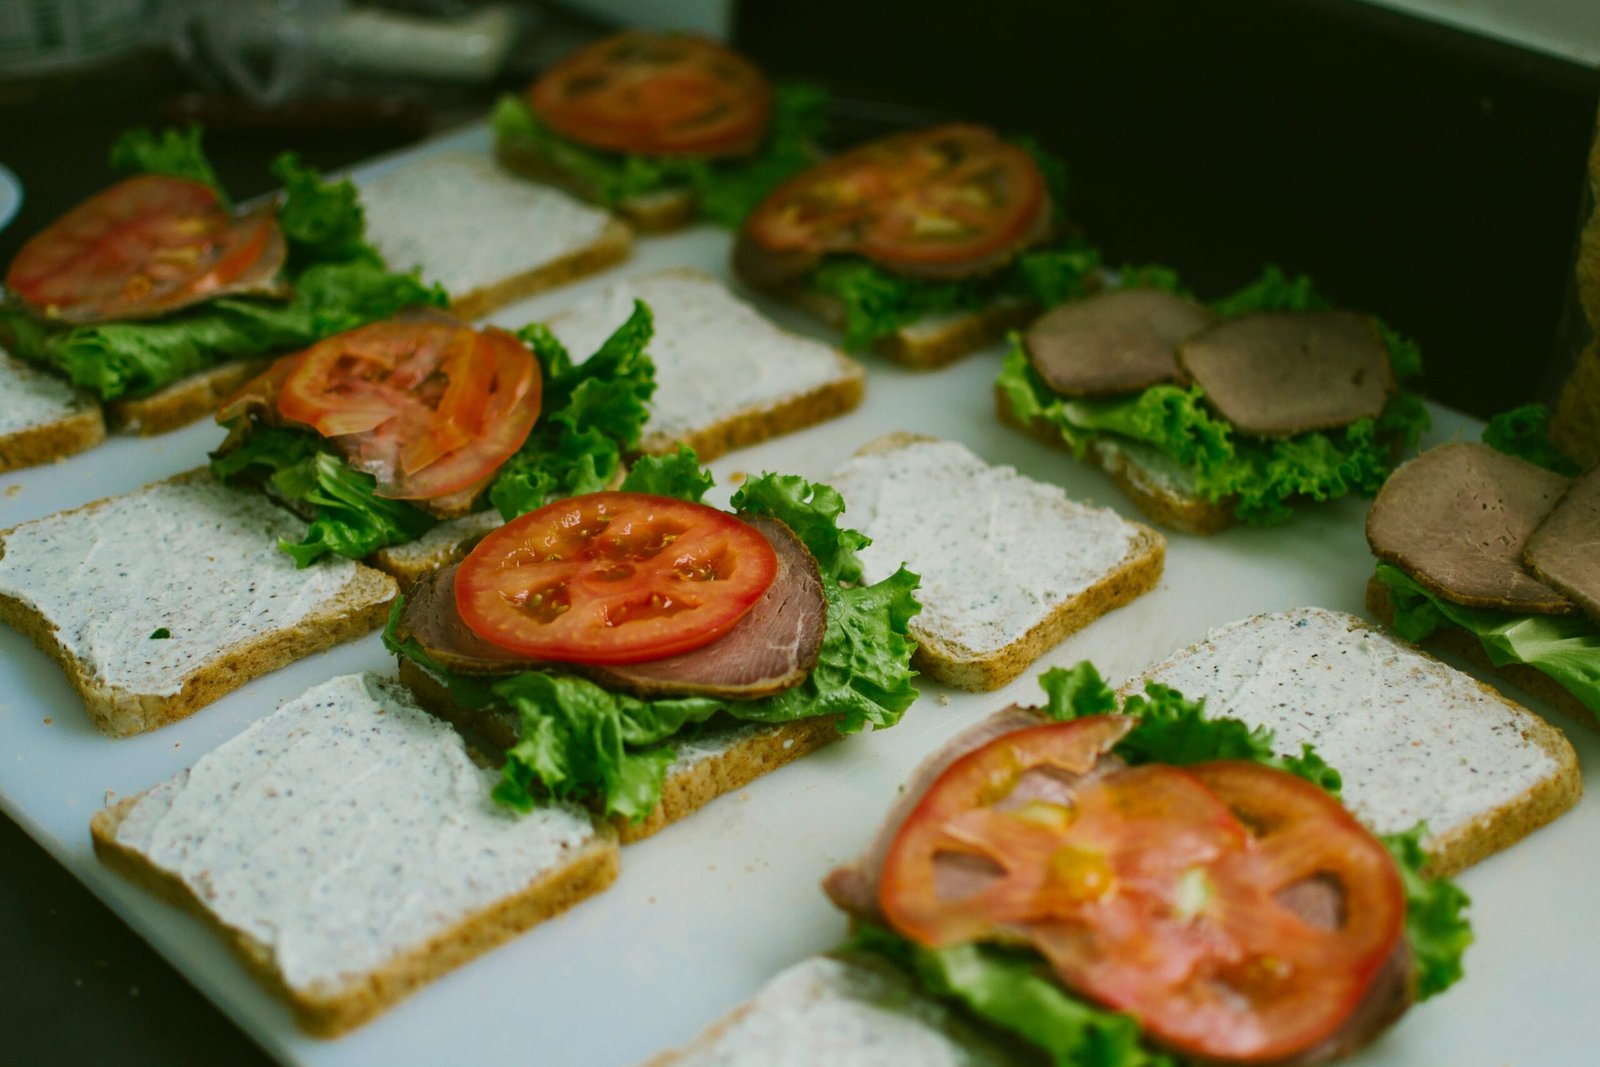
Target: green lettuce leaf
{"type": "Point", "coordinates": [591, 413]}
{"type": "Point", "coordinates": [173, 152]}
{"type": "Point", "coordinates": [350, 519]}
{"type": "Point", "coordinates": [1273, 290]}
{"type": "Point", "coordinates": [321, 220]}
{"type": "Point", "coordinates": [1009, 989]}
{"type": "Point", "coordinates": [1436, 929]}
{"type": "Point", "coordinates": [1564, 647]}
{"type": "Point", "coordinates": [1524, 432]}
{"type": "Point", "coordinates": [812, 511]}
{"type": "Point", "coordinates": [726, 189]}
{"type": "Point", "coordinates": [677, 474]}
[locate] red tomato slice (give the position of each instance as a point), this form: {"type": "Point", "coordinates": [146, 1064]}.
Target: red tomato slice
{"type": "Point", "coordinates": [146, 246]}
{"type": "Point", "coordinates": [923, 202]}
{"type": "Point", "coordinates": [1162, 892]}
{"type": "Point", "coordinates": [613, 578]}
{"type": "Point", "coordinates": [656, 94]}
{"type": "Point", "coordinates": [430, 408]}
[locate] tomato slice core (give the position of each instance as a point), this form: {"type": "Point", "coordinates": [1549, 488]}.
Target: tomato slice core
{"type": "Point", "coordinates": [144, 247]}
{"type": "Point", "coordinates": [1177, 895]}
{"type": "Point", "coordinates": [923, 200]}
{"type": "Point", "coordinates": [656, 94]}
{"type": "Point", "coordinates": [613, 578]}
{"type": "Point", "coordinates": [430, 408]}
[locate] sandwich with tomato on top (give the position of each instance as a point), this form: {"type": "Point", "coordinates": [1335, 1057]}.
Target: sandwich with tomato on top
{"type": "Point", "coordinates": [158, 296]}
{"type": "Point", "coordinates": [395, 440]}
{"type": "Point", "coordinates": [644, 652]}
{"type": "Point", "coordinates": [924, 245]}
{"type": "Point", "coordinates": [1128, 886]}
{"type": "Point", "coordinates": [661, 127]}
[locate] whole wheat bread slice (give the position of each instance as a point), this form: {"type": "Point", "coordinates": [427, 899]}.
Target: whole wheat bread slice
{"type": "Point", "coordinates": [184, 401]}
{"type": "Point", "coordinates": [489, 237]}
{"type": "Point", "coordinates": [963, 526]}
{"type": "Point", "coordinates": [934, 341]}
{"type": "Point", "coordinates": [446, 543]}
{"type": "Point", "coordinates": [1414, 738]}
{"type": "Point", "coordinates": [725, 757]}
{"type": "Point", "coordinates": [540, 864]}
{"type": "Point", "coordinates": [844, 1010]}
{"type": "Point", "coordinates": [42, 418]}
{"type": "Point", "coordinates": [659, 212]}
{"type": "Point", "coordinates": [160, 601]}
{"type": "Point", "coordinates": [1459, 642]}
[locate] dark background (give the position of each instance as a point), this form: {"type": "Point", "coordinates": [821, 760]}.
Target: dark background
{"type": "Point", "coordinates": [1422, 173]}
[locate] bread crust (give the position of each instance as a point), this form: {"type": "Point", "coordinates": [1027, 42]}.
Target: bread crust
{"type": "Point", "coordinates": [947, 659]}
{"type": "Point", "coordinates": [358, 609]}
{"type": "Point", "coordinates": [927, 348]}
{"type": "Point", "coordinates": [184, 401]}
{"type": "Point", "coordinates": [612, 246]}
{"type": "Point", "coordinates": [327, 1011]}
{"type": "Point", "coordinates": [684, 791]}
{"type": "Point", "coordinates": [659, 212]}
{"type": "Point", "coordinates": [50, 441]}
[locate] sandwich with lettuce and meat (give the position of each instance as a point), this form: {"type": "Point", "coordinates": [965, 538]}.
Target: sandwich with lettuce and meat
{"type": "Point", "coordinates": [1207, 415]}
{"type": "Point", "coordinates": [1126, 884]}
{"type": "Point", "coordinates": [645, 652]}
{"type": "Point", "coordinates": [405, 439]}
{"type": "Point", "coordinates": [1490, 551]}
{"type": "Point", "coordinates": [158, 296]}
{"type": "Point", "coordinates": [924, 245]}
{"type": "Point", "coordinates": [661, 127]}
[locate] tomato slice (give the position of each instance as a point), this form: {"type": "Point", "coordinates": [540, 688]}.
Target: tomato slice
{"type": "Point", "coordinates": [924, 202]}
{"type": "Point", "coordinates": [1179, 896]}
{"type": "Point", "coordinates": [145, 247]}
{"type": "Point", "coordinates": [656, 94]}
{"type": "Point", "coordinates": [613, 578]}
{"type": "Point", "coordinates": [431, 407]}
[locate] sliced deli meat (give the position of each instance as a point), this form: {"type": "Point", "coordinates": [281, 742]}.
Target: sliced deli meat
{"type": "Point", "coordinates": [1115, 342]}
{"type": "Point", "coordinates": [772, 648]}
{"type": "Point", "coordinates": [1458, 518]}
{"type": "Point", "coordinates": [1564, 552]}
{"type": "Point", "coordinates": [1280, 373]}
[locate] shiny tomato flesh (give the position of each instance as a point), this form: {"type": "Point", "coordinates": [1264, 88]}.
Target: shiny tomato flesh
{"type": "Point", "coordinates": [1154, 890]}
{"type": "Point", "coordinates": [943, 196]}
{"type": "Point", "coordinates": [656, 94]}
{"type": "Point", "coordinates": [146, 246]}
{"type": "Point", "coordinates": [431, 408]}
{"type": "Point", "coordinates": [613, 578]}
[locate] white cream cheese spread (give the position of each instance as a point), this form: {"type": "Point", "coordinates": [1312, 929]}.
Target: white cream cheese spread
{"type": "Point", "coordinates": [715, 355]}
{"type": "Point", "coordinates": [836, 1012]}
{"type": "Point", "coordinates": [344, 829]}
{"type": "Point", "coordinates": [468, 223]}
{"type": "Point", "coordinates": [1413, 738]}
{"type": "Point", "coordinates": [30, 397]}
{"type": "Point", "coordinates": [189, 559]}
{"type": "Point", "coordinates": [997, 551]}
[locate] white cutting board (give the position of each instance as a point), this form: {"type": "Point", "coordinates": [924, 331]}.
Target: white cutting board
{"type": "Point", "coordinates": [707, 910]}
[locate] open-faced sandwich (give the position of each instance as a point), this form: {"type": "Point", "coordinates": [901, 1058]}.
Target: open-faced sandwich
{"type": "Point", "coordinates": [1208, 415]}
{"type": "Point", "coordinates": [157, 296]}
{"type": "Point", "coordinates": [645, 652]}
{"type": "Point", "coordinates": [1123, 885]}
{"type": "Point", "coordinates": [1496, 558]}
{"type": "Point", "coordinates": [661, 127]}
{"type": "Point", "coordinates": [379, 435]}
{"type": "Point", "coordinates": [924, 245]}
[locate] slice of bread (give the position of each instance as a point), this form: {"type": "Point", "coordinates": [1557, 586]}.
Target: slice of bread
{"type": "Point", "coordinates": [658, 212]}
{"type": "Point", "coordinates": [846, 1010]}
{"type": "Point", "coordinates": [184, 401]}
{"type": "Point", "coordinates": [1009, 566]}
{"type": "Point", "coordinates": [42, 418]}
{"type": "Point", "coordinates": [726, 376]}
{"type": "Point", "coordinates": [726, 756]}
{"type": "Point", "coordinates": [1159, 487]}
{"type": "Point", "coordinates": [488, 236]}
{"type": "Point", "coordinates": [1414, 738]}
{"type": "Point", "coordinates": [441, 546]}
{"type": "Point", "coordinates": [936, 340]}
{"type": "Point", "coordinates": [346, 848]}
{"type": "Point", "coordinates": [1456, 641]}
{"type": "Point", "coordinates": [160, 601]}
